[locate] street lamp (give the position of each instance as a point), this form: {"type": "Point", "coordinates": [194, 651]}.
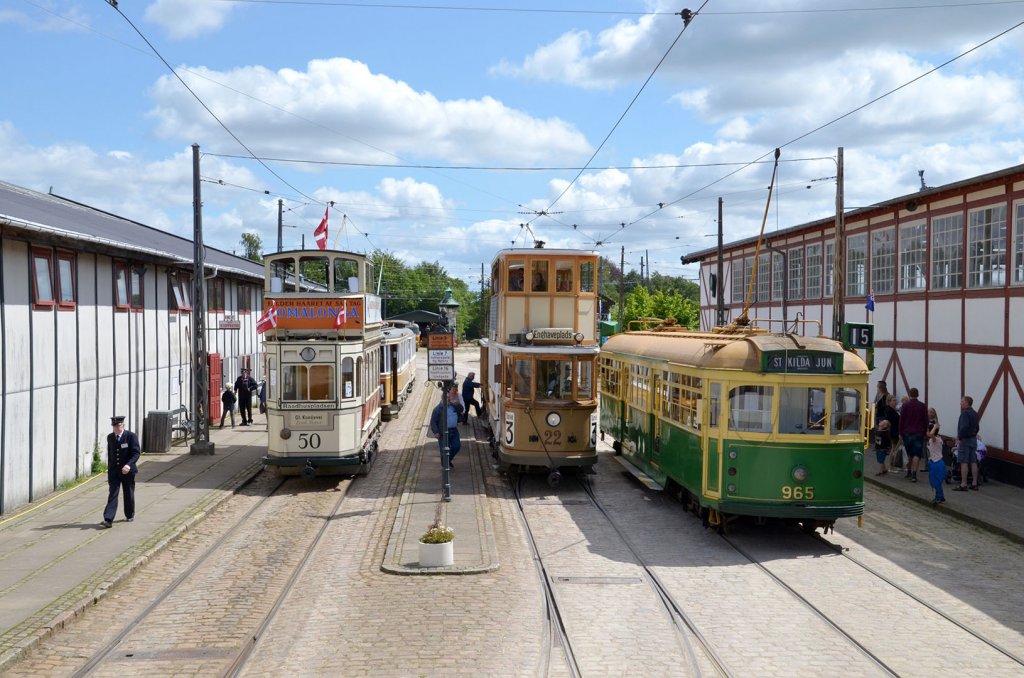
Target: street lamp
{"type": "Point", "coordinates": [449, 310]}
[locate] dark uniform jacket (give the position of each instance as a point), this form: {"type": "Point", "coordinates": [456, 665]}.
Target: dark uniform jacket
{"type": "Point", "coordinates": [243, 387]}
{"type": "Point", "coordinates": [125, 452]}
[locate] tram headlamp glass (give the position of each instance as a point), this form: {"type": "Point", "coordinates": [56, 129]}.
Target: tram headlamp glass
{"type": "Point", "coordinates": [731, 488]}
{"type": "Point", "coordinates": [578, 337]}
{"type": "Point", "coordinates": [553, 419]}
{"type": "Point", "coordinates": [732, 454]}
{"type": "Point", "coordinates": [858, 457]}
{"type": "Point", "coordinates": [800, 474]}
{"type": "Point", "coordinates": [530, 336]}
{"type": "Point", "coordinates": [286, 433]}
{"type": "Point", "coordinates": [856, 491]}
{"type": "Point", "coordinates": [308, 353]}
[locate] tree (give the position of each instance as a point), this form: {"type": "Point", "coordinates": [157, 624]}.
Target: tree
{"type": "Point", "coordinates": [252, 245]}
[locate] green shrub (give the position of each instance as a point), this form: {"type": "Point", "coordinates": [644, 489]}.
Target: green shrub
{"type": "Point", "coordinates": [438, 534]}
{"type": "Point", "coordinates": [98, 465]}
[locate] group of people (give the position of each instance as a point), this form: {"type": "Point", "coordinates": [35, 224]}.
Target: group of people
{"type": "Point", "coordinates": [242, 393]}
{"type": "Point", "coordinates": [916, 426]}
{"type": "Point", "coordinates": [451, 413]}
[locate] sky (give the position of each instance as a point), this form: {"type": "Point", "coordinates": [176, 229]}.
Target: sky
{"type": "Point", "coordinates": [448, 131]}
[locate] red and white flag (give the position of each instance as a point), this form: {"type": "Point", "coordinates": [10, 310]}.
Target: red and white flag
{"type": "Point", "coordinates": [320, 234]}
{"type": "Point", "coordinates": [268, 320]}
{"type": "Point", "coordinates": [342, 315]}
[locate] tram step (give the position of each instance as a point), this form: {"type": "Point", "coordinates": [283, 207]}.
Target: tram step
{"type": "Point", "coordinates": [648, 481]}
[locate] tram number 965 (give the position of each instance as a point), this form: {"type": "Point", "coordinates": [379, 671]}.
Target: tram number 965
{"type": "Point", "coordinates": [797, 492]}
{"type": "Point", "coordinates": [309, 441]}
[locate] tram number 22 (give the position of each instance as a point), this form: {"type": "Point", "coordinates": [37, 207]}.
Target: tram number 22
{"type": "Point", "coordinates": [797, 492]}
{"type": "Point", "coordinates": [310, 441]}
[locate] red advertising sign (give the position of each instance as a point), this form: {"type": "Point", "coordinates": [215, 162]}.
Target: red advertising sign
{"type": "Point", "coordinates": [318, 313]}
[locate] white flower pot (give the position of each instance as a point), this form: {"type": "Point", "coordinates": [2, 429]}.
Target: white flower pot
{"type": "Point", "coordinates": [437, 555]}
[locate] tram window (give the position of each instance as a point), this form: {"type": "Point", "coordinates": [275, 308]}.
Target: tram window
{"type": "Point", "coordinates": [314, 269]}
{"type": "Point", "coordinates": [750, 409]}
{"type": "Point", "coordinates": [587, 276]}
{"type": "Point", "coordinates": [610, 376]}
{"type": "Point", "coordinates": [294, 386]}
{"type": "Point", "coordinates": [714, 405]}
{"type": "Point", "coordinates": [321, 382]}
{"type": "Point", "coordinates": [539, 276]}
{"type": "Point", "coordinates": [802, 410]}
{"type": "Point", "coordinates": [346, 275]}
{"type": "Point", "coordinates": [347, 378]}
{"type": "Point", "coordinates": [563, 276]}
{"type": "Point", "coordinates": [282, 276]}
{"type": "Point", "coordinates": [359, 374]}
{"type": "Point", "coordinates": [494, 277]}
{"type": "Point", "coordinates": [523, 370]}
{"type": "Point", "coordinates": [554, 379]}
{"type": "Point", "coordinates": [845, 410]}
{"type": "Point", "coordinates": [516, 271]}
{"type": "Point", "coordinates": [304, 382]}
{"type": "Point", "coordinates": [585, 383]}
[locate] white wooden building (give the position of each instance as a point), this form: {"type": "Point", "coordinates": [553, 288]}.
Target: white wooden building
{"type": "Point", "coordinates": [95, 320]}
{"type": "Point", "coordinates": [946, 268]}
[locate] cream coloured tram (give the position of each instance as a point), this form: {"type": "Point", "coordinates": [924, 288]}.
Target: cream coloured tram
{"type": "Point", "coordinates": [397, 368]}
{"type": "Point", "coordinates": [538, 364]}
{"type": "Point", "coordinates": [322, 346]}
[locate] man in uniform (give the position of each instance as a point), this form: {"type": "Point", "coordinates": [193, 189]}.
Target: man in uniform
{"type": "Point", "coordinates": [123, 452]}
{"type": "Point", "coordinates": [243, 389]}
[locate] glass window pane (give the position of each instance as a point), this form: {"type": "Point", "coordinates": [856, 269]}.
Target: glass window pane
{"type": "Point", "coordinates": [750, 409]}
{"type": "Point", "coordinates": [813, 271]}
{"type": "Point", "coordinates": [516, 272]}
{"type": "Point", "coordinates": [66, 275]}
{"type": "Point", "coordinates": [136, 289]}
{"type": "Point", "coordinates": [857, 265]}
{"type": "Point", "coordinates": [802, 410]}
{"type": "Point", "coordinates": [796, 273]}
{"type": "Point", "coordinates": [554, 379]}
{"type": "Point", "coordinates": [523, 376]}
{"type": "Point", "coordinates": [883, 260]}
{"type": "Point", "coordinates": [44, 288]}
{"type": "Point", "coordinates": [947, 252]}
{"type": "Point", "coordinates": [585, 385]}
{"type": "Point", "coordinates": [539, 276]}
{"type": "Point", "coordinates": [346, 274]}
{"type": "Point", "coordinates": [563, 276]}
{"type": "Point", "coordinates": [282, 274]}
{"type": "Point", "coordinates": [347, 378]}
{"type": "Point", "coordinates": [294, 383]}
{"type": "Point", "coordinates": [913, 256]}
{"type": "Point", "coordinates": [321, 382]}
{"type": "Point", "coordinates": [122, 286]}
{"type": "Point", "coordinates": [845, 410]}
{"type": "Point", "coordinates": [587, 276]}
{"type": "Point", "coordinates": [714, 405]}
{"type": "Point", "coordinates": [986, 247]}
{"type": "Point", "coordinates": [1018, 245]}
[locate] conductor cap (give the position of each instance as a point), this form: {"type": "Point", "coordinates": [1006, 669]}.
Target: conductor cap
{"type": "Point", "coordinates": [117, 420]}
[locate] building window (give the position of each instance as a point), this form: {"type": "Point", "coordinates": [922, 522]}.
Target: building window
{"type": "Point", "coordinates": [244, 299]}
{"type": "Point", "coordinates": [764, 272]}
{"type": "Point", "coordinates": [947, 252]}
{"type": "Point", "coordinates": [913, 256]}
{"type": "Point", "coordinates": [986, 247]}
{"type": "Point", "coordinates": [122, 301]}
{"type": "Point", "coordinates": [138, 289]}
{"type": "Point", "coordinates": [67, 286]}
{"type": "Point", "coordinates": [857, 265]}
{"type": "Point", "coordinates": [42, 279]}
{"type": "Point", "coordinates": [215, 294]}
{"type": "Point", "coordinates": [830, 267]}
{"type": "Point", "coordinates": [179, 292]}
{"type": "Point", "coordinates": [737, 281]}
{"type": "Point", "coordinates": [883, 260]}
{"type": "Point", "coordinates": [813, 271]}
{"type": "Point", "coordinates": [1018, 245]}
{"type": "Point", "coordinates": [748, 274]}
{"type": "Point", "coordinates": [778, 275]}
{"type": "Point", "coordinates": [796, 273]}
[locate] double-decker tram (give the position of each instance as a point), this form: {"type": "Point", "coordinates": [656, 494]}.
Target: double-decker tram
{"type": "Point", "coordinates": [397, 367]}
{"type": "Point", "coordinates": [323, 356]}
{"type": "Point", "coordinates": [740, 421]}
{"type": "Point", "coordinates": [539, 360]}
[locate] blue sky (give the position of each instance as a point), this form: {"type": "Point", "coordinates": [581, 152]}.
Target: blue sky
{"type": "Point", "coordinates": [522, 92]}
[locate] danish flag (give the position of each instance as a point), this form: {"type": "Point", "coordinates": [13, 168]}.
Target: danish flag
{"type": "Point", "coordinates": [320, 234]}
{"type": "Point", "coordinates": [268, 320]}
{"type": "Point", "coordinates": [342, 315]}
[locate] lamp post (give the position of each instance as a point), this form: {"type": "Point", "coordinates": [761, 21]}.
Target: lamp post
{"type": "Point", "coordinates": [449, 309]}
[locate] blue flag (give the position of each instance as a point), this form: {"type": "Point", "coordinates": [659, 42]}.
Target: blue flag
{"type": "Point", "coordinates": [871, 302]}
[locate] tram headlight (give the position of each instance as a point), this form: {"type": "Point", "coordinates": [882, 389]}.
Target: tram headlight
{"type": "Point", "coordinates": [286, 433]}
{"type": "Point", "coordinates": [858, 457]}
{"type": "Point", "coordinates": [800, 474]}
{"type": "Point", "coordinates": [732, 454]}
{"type": "Point", "coordinates": [529, 336]}
{"type": "Point", "coordinates": [731, 488]}
{"type": "Point", "coordinates": [578, 337]}
{"type": "Point", "coordinates": [856, 491]}
{"type": "Point", "coordinates": [553, 419]}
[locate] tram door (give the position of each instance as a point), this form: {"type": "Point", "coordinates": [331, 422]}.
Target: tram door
{"type": "Point", "coordinates": [711, 443]}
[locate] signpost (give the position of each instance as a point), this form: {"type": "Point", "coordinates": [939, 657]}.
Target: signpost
{"type": "Point", "coordinates": [441, 368]}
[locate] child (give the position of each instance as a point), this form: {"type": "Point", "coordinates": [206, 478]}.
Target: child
{"type": "Point", "coordinates": [883, 444]}
{"type": "Point", "coordinates": [228, 400]}
{"type": "Point", "coordinates": [936, 465]}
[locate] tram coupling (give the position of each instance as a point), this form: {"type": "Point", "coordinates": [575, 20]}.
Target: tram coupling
{"type": "Point", "coordinates": [308, 471]}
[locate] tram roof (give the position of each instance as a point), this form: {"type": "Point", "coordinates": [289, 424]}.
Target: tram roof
{"type": "Point", "coordinates": [723, 351]}
{"type": "Point", "coordinates": [542, 252]}
{"type": "Point", "coordinates": [63, 221]}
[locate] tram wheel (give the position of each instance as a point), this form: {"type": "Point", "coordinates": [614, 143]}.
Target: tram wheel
{"type": "Point", "coordinates": [554, 478]}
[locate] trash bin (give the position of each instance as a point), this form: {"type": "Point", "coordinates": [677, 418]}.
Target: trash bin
{"type": "Point", "coordinates": [156, 431]}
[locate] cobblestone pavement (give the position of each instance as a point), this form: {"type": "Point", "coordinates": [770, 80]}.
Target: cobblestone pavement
{"type": "Point", "coordinates": [349, 618]}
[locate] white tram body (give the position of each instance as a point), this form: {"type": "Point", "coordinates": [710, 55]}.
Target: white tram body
{"type": "Point", "coordinates": [322, 352]}
{"type": "Point", "coordinates": [397, 368]}
{"type": "Point", "coordinates": [538, 364]}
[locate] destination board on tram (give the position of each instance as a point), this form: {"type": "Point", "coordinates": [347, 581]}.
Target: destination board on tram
{"type": "Point", "coordinates": [802, 362]}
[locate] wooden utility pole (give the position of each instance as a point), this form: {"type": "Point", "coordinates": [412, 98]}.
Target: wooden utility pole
{"type": "Point", "coordinates": [839, 263]}
{"type": "Point", "coordinates": [719, 284]}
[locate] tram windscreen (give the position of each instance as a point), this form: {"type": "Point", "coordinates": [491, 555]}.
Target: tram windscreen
{"type": "Point", "coordinates": [845, 410]}
{"type": "Point", "coordinates": [522, 373]}
{"type": "Point", "coordinates": [314, 269]}
{"type": "Point", "coordinates": [750, 409]}
{"type": "Point", "coordinates": [585, 380]}
{"type": "Point", "coordinates": [346, 275]}
{"type": "Point", "coordinates": [554, 379]}
{"type": "Point", "coordinates": [307, 382]}
{"type": "Point", "coordinates": [802, 410]}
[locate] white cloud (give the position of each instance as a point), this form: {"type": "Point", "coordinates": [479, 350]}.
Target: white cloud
{"type": "Point", "coordinates": [182, 19]}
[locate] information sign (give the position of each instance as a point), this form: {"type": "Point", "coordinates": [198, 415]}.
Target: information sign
{"type": "Point", "coordinates": [802, 362]}
{"type": "Point", "coordinates": [440, 356]}
{"type": "Point", "coordinates": [859, 335]}
{"type": "Point", "coordinates": [440, 372]}
{"type": "Point", "coordinates": [438, 340]}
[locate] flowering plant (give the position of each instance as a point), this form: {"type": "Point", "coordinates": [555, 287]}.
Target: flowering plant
{"type": "Point", "coordinates": [437, 534]}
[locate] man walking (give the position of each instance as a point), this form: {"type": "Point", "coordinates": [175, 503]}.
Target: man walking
{"type": "Point", "coordinates": [913, 426]}
{"type": "Point", "coordinates": [446, 416]}
{"type": "Point", "coordinates": [467, 396]}
{"type": "Point", "coordinates": [967, 428]}
{"type": "Point", "coordinates": [243, 389]}
{"type": "Point", "coordinates": [123, 452]}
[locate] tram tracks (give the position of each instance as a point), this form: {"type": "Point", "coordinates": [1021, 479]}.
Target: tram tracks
{"type": "Point", "coordinates": [217, 609]}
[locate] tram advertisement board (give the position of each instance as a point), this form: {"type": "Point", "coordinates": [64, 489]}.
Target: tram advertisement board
{"type": "Point", "coordinates": [802, 362]}
{"type": "Point", "coordinates": [318, 314]}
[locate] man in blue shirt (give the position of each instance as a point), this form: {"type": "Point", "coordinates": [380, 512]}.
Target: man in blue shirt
{"type": "Point", "coordinates": [447, 416]}
{"type": "Point", "coordinates": [967, 443]}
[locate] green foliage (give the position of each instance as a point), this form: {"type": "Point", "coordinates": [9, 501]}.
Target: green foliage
{"type": "Point", "coordinates": [252, 246]}
{"type": "Point", "coordinates": [98, 465]}
{"type": "Point", "coordinates": [437, 534]}
{"type": "Point", "coordinates": [665, 305]}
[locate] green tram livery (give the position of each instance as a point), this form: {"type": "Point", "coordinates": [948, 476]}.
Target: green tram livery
{"type": "Point", "coordinates": [739, 421]}
{"type": "Point", "coordinates": [538, 364]}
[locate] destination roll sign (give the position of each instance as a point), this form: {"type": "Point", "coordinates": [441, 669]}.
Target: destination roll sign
{"type": "Point", "coordinates": [802, 362]}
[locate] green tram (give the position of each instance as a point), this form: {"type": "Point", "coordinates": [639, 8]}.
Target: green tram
{"type": "Point", "coordinates": [739, 421]}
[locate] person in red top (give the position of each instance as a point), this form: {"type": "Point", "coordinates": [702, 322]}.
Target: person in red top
{"type": "Point", "coordinates": [913, 426]}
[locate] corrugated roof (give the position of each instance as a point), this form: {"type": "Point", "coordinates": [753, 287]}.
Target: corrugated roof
{"type": "Point", "coordinates": [59, 217]}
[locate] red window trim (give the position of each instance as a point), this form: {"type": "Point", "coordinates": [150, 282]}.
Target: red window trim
{"type": "Point", "coordinates": [142, 289]}
{"type": "Point", "coordinates": [212, 298]}
{"type": "Point", "coordinates": [64, 255]}
{"type": "Point", "coordinates": [44, 305]}
{"type": "Point", "coordinates": [126, 304]}
{"type": "Point", "coordinates": [245, 292]}
{"type": "Point", "coordinates": [182, 282]}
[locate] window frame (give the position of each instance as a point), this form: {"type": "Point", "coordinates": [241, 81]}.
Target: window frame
{"type": "Point", "coordinates": [883, 260]}
{"type": "Point", "coordinates": [72, 259]}
{"type": "Point", "coordinates": [856, 285]}
{"type": "Point", "coordinates": [1015, 245]}
{"type": "Point", "coordinates": [216, 286]}
{"type": "Point", "coordinates": [796, 273]}
{"type": "Point", "coordinates": [947, 236]}
{"type": "Point", "coordinates": [913, 252]}
{"type": "Point", "coordinates": [122, 287]}
{"type": "Point", "coordinates": [996, 272]}
{"type": "Point", "coordinates": [41, 254]}
{"type": "Point", "coordinates": [813, 272]}
{"type": "Point", "coordinates": [244, 293]}
{"type": "Point", "coordinates": [136, 276]}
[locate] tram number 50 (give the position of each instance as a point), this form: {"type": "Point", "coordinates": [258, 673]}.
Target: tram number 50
{"type": "Point", "coordinates": [797, 492]}
{"type": "Point", "coordinates": [309, 441]}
